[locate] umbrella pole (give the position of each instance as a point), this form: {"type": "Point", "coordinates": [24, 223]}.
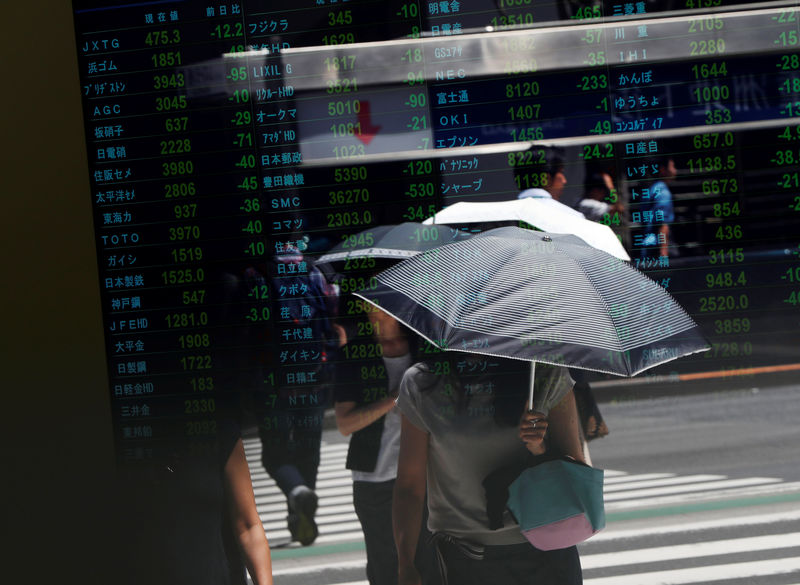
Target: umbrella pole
{"type": "Point", "coordinates": [530, 390]}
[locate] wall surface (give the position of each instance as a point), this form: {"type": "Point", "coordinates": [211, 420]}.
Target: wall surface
{"type": "Point", "coordinates": [56, 447]}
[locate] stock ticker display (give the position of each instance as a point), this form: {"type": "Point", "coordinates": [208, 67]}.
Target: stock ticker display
{"type": "Point", "coordinates": [221, 134]}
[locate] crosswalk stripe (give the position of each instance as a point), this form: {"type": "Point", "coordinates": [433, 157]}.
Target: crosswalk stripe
{"type": "Point", "coordinates": [259, 478]}
{"type": "Point", "coordinates": [339, 481]}
{"type": "Point", "coordinates": [279, 510]}
{"type": "Point", "coordinates": [254, 444]}
{"type": "Point", "coordinates": [272, 494]}
{"type": "Point", "coordinates": [323, 471]}
{"type": "Point", "coordinates": [738, 521]}
{"type": "Point", "coordinates": [263, 476]}
{"type": "Point", "coordinates": [342, 474]}
{"type": "Point", "coordinates": [336, 500]}
{"type": "Point", "coordinates": [350, 531]}
{"type": "Point", "coordinates": [344, 536]}
{"type": "Point", "coordinates": [706, 574]}
{"type": "Point", "coordinates": [321, 485]}
{"type": "Point", "coordinates": [705, 486]}
{"type": "Point", "coordinates": [306, 569]}
{"type": "Point", "coordinates": [269, 483]}
{"type": "Point", "coordinates": [628, 557]}
{"type": "Point", "coordinates": [332, 461]}
{"type": "Point", "coordinates": [268, 513]}
{"type": "Point", "coordinates": [338, 522]}
{"type": "Point", "coordinates": [663, 482]}
{"type": "Point", "coordinates": [275, 500]}
{"type": "Point", "coordinates": [625, 478]}
{"type": "Point", "coordinates": [332, 464]}
{"type": "Point", "coordinates": [717, 494]}
{"type": "Point", "coordinates": [683, 551]}
{"type": "Point", "coordinates": [323, 520]}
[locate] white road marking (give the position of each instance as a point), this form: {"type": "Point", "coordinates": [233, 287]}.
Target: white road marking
{"type": "Point", "coordinates": [703, 575]}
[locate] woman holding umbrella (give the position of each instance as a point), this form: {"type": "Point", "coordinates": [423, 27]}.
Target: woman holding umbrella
{"type": "Point", "coordinates": [464, 418]}
{"type": "Point", "coordinates": [539, 298]}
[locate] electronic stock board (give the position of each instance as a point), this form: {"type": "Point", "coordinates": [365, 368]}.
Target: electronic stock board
{"type": "Point", "coordinates": [222, 133]}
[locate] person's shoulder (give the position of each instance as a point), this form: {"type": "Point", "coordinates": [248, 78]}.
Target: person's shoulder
{"type": "Point", "coordinates": [535, 193]}
{"type": "Point", "coordinates": [417, 373]}
{"type": "Point", "coordinates": [420, 379]}
{"type": "Point", "coordinates": [411, 395]}
{"type": "Point", "coordinates": [659, 188]}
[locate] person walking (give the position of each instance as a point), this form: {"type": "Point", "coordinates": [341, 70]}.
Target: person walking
{"type": "Point", "coordinates": [600, 200]}
{"type": "Point", "coordinates": [658, 211]}
{"type": "Point", "coordinates": [290, 410]}
{"type": "Point", "coordinates": [190, 517]}
{"type": "Point", "coordinates": [540, 173]}
{"type": "Point", "coordinates": [368, 379]}
{"type": "Point", "coordinates": [463, 419]}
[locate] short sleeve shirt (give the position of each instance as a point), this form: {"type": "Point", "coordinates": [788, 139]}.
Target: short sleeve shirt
{"type": "Point", "coordinates": [661, 204]}
{"type": "Point", "coordinates": [593, 210]}
{"type": "Point", "coordinates": [465, 445]}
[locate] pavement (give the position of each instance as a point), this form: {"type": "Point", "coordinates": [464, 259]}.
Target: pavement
{"type": "Point", "coordinates": [695, 491]}
{"type": "Point", "coordinates": [615, 389]}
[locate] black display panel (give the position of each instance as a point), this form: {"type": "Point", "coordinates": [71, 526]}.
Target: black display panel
{"type": "Point", "coordinates": [221, 135]}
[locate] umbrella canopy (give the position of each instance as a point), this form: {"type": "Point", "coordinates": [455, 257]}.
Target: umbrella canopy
{"type": "Point", "coordinates": [392, 242]}
{"type": "Point", "coordinates": [539, 297]}
{"type": "Point", "coordinates": [545, 214]}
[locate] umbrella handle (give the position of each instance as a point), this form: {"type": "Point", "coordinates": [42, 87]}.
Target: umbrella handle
{"type": "Point", "coordinates": [530, 390]}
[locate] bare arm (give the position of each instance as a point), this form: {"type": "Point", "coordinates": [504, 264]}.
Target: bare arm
{"type": "Point", "coordinates": [563, 429]}
{"type": "Point", "coordinates": [350, 417]}
{"type": "Point", "coordinates": [246, 522]}
{"type": "Point", "coordinates": [664, 247]}
{"type": "Point", "coordinates": [409, 498]}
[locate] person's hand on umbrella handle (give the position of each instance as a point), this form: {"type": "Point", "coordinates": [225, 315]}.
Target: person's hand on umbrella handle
{"type": "Point", "coordinates": [532, 430]}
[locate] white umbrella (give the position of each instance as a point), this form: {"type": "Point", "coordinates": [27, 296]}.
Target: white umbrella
{"type": "Point", "coordinates": [544, 214]}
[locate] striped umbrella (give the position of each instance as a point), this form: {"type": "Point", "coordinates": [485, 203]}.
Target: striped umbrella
{"type": "Point", "coordinates": [391, 242]}
{"type": "Point", "coordinates": [539, 297]}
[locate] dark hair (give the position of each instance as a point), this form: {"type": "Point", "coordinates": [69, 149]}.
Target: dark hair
{"type": "Point", "coordinates": [539, 158]}
{"type": "Point", "coordinates": [595, 185]}
{"type": "Point", "coordinates": [555, 160]}
{"type": "Point", "coordinates": [595, 182]}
